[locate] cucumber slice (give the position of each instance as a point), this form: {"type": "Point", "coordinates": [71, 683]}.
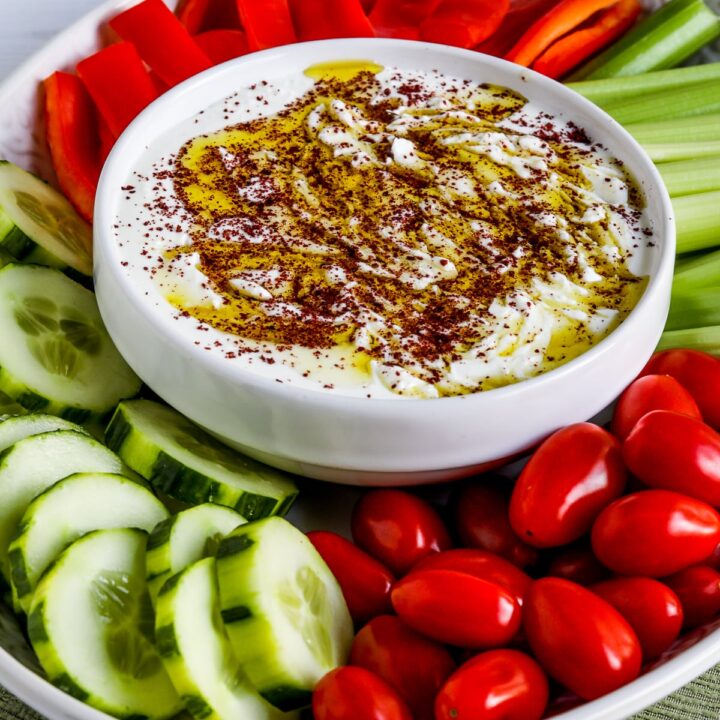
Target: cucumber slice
{"type": "Point", "coordinates": [8, 407]}
{"type": "Point", "coordinates": [30, 466]}
{"type": "Point", "coordinates": [283, 610]}
{"type": "Point", "coordinates": [17, 428]}
{"type": "Point", "coordinates": [91, 625]}
{"type": "Point", "coordinates": [37, 224]}
{"type": "Point", "coordinates": [56, 355]}
{"type": "Point", "coordinates": [197, 653]}
{"type": "Point", "coordinates": [69, 509]}
{"type": "Point", "coordinates": [186, 463]}
{"type": "Point", "coordinates": [185, 538]}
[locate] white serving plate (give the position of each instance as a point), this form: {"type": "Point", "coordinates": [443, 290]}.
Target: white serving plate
{"type": "Point", "coordinates": [323, 506]}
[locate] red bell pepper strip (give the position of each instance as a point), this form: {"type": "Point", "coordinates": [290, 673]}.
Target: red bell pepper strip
{"type": "Point", "coordinates": [162, 41]}
{"type": "Point", "coordinates": [322, 19]}
{"type": "Point", "coordinates": [222, 45]}
{"type": "Point", "coordinates": [562, 19]}
{"type": "Point", "coordinates": [267, 23]}
{"type": "Point", "coordinates": [464, 23]}
{"type": "Point", "coordinates": [570, 51]}
{"type": "Point", "coordinates": [72, 134]}
{"type": "Point", "coordinates": [202, 15]}
{"type": "Point", "coordinates": [118, 83]}
{"type": "Point", "coordinates": [107, 140]}
{"type": "Point", "coordinates": [519, 18]}
{"type": "Point", "coordinates": [401, 18]}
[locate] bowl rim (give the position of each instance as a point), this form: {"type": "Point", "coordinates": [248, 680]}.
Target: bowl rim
{"type": "Point", "coordinates": [116, 168]}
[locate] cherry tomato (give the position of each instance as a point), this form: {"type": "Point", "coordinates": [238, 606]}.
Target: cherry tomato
{"type": "Point", "coordinates": [495, 685]}
{"type": "Point", "coordinates": [414, 665]}
{"type": "Point", "coordinates": [481, 517]}
{"type": "Point", "coordinates": [571, 477]}
{"type": "Point", "coordinates": [648, 393]}
{"type": "Point", "coordinates": [353, 693]}
{"type": "Point", "coordinates": [698, 373]}
{"type": "Point", "coordinates": [581, 640]}
{"type": "Point", "coordinates": [398, 528]}
{"type": "Point", "coordinates": [651, 607]}
{"type": "Point", "coordinates": [482, 564]}
{"type": "Point", "coordinates": [457, 608]}
{"type": "Point", "coordinates": [578, 564]}
{"type": "Point", "coordinates": [655, 533]}
{"type": "Point", "coordinates": [699, 591]}
{"type": "Point", "coordinates": [364, 582]}
{"type": "Point", "coordinates": [675, 452]}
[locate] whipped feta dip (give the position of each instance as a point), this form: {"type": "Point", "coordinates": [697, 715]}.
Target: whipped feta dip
{"type": "Point", "coordinates": [385, 233]}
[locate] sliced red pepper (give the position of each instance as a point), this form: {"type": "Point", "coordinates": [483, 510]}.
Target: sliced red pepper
{"type": "Point", "coordinates": [464, 23]}
{"type": "Point", "coordinates": [199, 16]}
{"type": "Point", "coordinates": [162, 41]}
{"type": "Point", "coordinates": [322, 19]}
{"type": "Point", "coordinates": [268, 23]}
{"type": "Point", "coordinates": [401, 18]}
{"type": "Point", "coordinates": [570, 51]}
{"type": "Point", "coordinates": [107, 140]}
{"type": "Point", "coordinates": [72, 135]}
{"type": "Point", "coordinates": [562, 19]}
{"type": "Point", "coordinates": [519, 18]}
{"type": "Point", "coordinates": [118, 83]}
{"type": "Point", "coordinates": [222, 45]}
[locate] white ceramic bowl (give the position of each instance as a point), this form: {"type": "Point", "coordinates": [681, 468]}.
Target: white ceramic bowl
{"type": "Point", "coordinates": [359, 440]}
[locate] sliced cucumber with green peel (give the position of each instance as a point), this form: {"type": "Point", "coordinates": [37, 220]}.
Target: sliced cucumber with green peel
{"type": "Point", "coordinates": [283, 610]}
{"type": "Point", "coordinates": [32, 465]}
{"type": "Point", "coordinates": [186, 463]}
{"type": "Point", "coordinates": [56, 355]}
{"type": "Point", "coordinates": [73, 507]}
{"type": "Point", "coordinates": [14, 429]}
{"type": "Point", "coordinates": [185, 538]}
{"type": "Point", "coordinates": [37, 224]}
{"type": "Point", "coordinates": [197, 653]}
{"type": "Point", "coordinates": [91, 625]}
{"type": "Point", "coordinates": [9, 408]}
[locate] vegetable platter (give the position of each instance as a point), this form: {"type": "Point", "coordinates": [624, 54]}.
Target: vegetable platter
{"type": "Point", "coordinates": [321, 508]}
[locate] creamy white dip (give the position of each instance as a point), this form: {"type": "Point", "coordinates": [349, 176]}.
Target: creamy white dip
{"type": "Point", "coordinates": [520, 163]}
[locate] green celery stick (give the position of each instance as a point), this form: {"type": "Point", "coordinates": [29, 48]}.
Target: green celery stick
{"type": "Point", "coordinates": [623, 88]}
{"type": "Point", "coordinates": [695, 272]}
{"type": "Point", "coordinates": [682, 151]}
{"type": "Point", "coordinates": [663, 40]}
{"type": "Point", "coordinates": [685, 102]}
{"type": "Point", "coordinates": [698, 221]}
{"type": "Point", "coordinates": [706, 339]}
{"type": "Point", "coordinates": [695, 308]}
{"type": "Point", "coordinates": [690, 177]}
{"type": "Point", "coordinates": [677, 130]}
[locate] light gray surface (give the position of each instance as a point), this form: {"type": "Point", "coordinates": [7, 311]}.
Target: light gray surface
{"type": "Point", "coordinates": [29, 24]}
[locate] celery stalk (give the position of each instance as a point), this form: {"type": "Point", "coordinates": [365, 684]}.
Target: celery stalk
{"type": "Point", "coordinates": [679, 138]}
{"type": "Point", "coordinates": [696, 272]}
{"type": "Point", "coordinates": [698, 221]}
{"type": "Point", "coordinates": [706, 339]}
{"type": "Point", "coordinates": [682, 151]}
{"type": "Point", "coordinates": [663, 40]}
{"type": "Point", "coordinates": [622, 88]}
{"type": "Point", "coordinates": [693, 129]}
{"type": "Point", "coordinates": [690, 177]}
{"type": "Point", "coordinates": [696, 308]}
{"type": "Point", "coordinates": [684, 102]}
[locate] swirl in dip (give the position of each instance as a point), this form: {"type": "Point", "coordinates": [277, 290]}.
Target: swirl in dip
{"type": "Point", "coordinates": [383, 232]}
